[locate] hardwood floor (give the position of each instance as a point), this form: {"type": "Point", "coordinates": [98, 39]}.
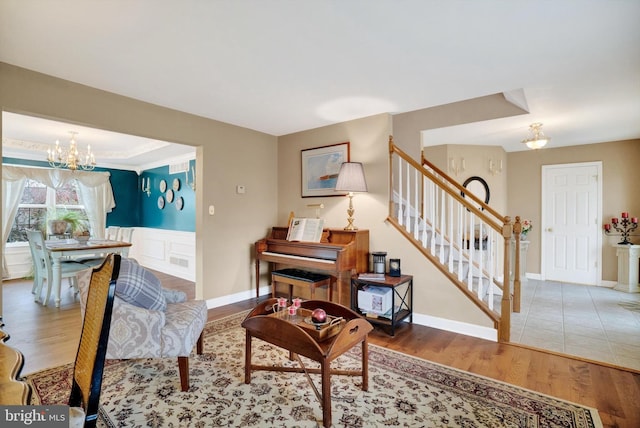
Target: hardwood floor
{"type": "Point", "coordinates": [48, 336]}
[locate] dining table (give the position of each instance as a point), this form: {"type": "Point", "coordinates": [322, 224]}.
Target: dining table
{"type": "Point", "coordinates": [65, 249]}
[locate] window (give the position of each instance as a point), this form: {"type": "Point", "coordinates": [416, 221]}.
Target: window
{"type": "Point", "coordinates": [37, 200]}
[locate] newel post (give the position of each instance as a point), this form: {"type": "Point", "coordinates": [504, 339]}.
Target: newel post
{"type": "Point", "coordinates": [504, 330]}
{"type": "Point", "coordinates": [517, 229]}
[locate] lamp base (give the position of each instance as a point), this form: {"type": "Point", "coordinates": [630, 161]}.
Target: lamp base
{"type": "Point", "coordinates": [350, 212]}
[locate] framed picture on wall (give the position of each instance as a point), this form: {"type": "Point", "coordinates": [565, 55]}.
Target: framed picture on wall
{"type": "Point", "coordinates": [320, 167]}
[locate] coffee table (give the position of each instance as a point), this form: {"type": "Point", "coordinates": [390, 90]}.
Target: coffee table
{"type": "Point", "coordinates": [300, 338]}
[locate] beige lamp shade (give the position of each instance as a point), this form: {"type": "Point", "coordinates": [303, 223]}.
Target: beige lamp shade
{"type": "Point", "coordinates": [351, 178]}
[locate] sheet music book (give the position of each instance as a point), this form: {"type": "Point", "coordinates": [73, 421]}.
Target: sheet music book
{"type": "Point", "coordinates": [305, 229]}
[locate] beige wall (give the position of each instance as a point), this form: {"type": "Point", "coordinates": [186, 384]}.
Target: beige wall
{"type": "Point", "coordinates": [434, 295]}
{"type": "Point", "coordinates": [227, 155]}
{"type": "Point", "coordinates": [621, 175]}
{"type": "Point", "coordinates": [408, 126]}
{"type": "Point", "coordinates": [476, 162]}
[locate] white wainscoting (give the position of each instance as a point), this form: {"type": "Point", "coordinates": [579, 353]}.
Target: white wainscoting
{"type": "Point", "coordinates": [19, 263]}
{"type": "Point", "coordinates": [169, 251]}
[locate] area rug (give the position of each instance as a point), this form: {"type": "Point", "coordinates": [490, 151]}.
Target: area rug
{"type": "Point", "coordinates": [403, 392]}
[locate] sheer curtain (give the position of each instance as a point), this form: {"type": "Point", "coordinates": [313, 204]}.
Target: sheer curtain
{"type": "Point", "coordinates": [95, 192]}
{"type": "Point", "coordinates": [12, 186]}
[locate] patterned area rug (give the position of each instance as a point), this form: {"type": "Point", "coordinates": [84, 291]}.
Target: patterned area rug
{"type": "Point", "coordinates": [403, 391]}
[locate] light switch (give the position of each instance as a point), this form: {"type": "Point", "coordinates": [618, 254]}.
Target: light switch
{"type": "Point", "coordinates": [240, 189]}
{"type": "Point", "coordinates": [212, 210]}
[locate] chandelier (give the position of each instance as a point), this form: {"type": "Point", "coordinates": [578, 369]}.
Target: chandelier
{"type": "Point", "coordinates": [59, 157]}
{"type": "Point", "coordinates": [536, 139]}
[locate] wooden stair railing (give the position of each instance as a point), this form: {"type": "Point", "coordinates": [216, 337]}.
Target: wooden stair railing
{"type": "Point", "coordinates": [459, 233]}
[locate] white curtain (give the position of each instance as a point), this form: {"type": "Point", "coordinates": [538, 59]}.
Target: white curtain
{"type": "Point", "coordinates": [12, 187]}
{"type": "Point", "coordinates": [95, 192]}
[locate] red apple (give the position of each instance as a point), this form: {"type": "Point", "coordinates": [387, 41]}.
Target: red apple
{"type": "Point", "coordinates": [318, 315]}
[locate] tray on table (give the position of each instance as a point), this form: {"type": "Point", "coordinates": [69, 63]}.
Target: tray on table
{"type": "Point", "coordinates": [319, 332]}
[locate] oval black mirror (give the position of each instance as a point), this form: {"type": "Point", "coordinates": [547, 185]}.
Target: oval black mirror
{"type": "Point", "coordinates": [478, 187]}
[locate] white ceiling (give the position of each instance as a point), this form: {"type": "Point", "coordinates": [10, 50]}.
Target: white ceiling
{"type": "Point", "coordinates": [283, 66]}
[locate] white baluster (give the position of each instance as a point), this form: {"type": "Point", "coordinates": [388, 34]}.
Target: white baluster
{"type": "Point", "coordinates": [416, 210]}
{"type": "Point", "coordinates": [400, 218]}
{"type": "Point", "coordinates": [471, 250]}
{"type": "Point", "coordinates": [407, 211]}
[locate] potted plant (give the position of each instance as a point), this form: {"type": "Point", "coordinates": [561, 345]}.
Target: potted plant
{"type": "Point", "coordinates": [66, 221]}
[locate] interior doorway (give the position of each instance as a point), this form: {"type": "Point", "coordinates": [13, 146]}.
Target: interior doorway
{"type": "Point", "coordinates": [571, 212]}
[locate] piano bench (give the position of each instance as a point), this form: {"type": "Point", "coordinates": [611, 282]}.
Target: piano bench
{"type": "Point", "coordinates": [301, 278]}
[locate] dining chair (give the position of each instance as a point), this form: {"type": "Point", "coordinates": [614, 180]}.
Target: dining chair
{"type": "Point", "coordinates": [88, 368]}
{"type": "Point", "coordinates": [125, 234]}
{"type": "Point", "coordinates": [43, 267]}
{"type": "Point", "coordinates": [112, 233]}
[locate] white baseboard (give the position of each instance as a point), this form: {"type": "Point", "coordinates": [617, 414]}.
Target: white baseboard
{"type": "Point", "coordinates": [467, 329]}
{"type": "Point", "coordinates": [233, 298]}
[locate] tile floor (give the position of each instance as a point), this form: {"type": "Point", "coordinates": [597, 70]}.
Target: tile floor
{"type": "Point", "coordinates": [592, 322]}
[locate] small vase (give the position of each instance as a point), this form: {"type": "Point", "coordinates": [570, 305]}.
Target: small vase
{"type": "Point", "coordinates": [523, 236]}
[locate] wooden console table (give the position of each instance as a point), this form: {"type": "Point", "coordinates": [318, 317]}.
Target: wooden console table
{"type": "Point", "coordinates": [12, 390]}
{"type": "Point", "coordinates": [263, 324]}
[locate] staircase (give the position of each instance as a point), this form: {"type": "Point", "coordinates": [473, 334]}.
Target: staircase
{"type": "Point", "coordinates": [474, 246]}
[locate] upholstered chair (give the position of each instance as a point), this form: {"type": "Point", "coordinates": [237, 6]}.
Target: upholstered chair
{"type": "Point", "coordinates": [149, 321]}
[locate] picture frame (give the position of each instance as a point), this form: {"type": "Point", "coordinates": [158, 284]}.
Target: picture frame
{"type": "Point", "coordinates": [320, 167]}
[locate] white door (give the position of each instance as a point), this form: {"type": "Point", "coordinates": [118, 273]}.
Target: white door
{"type": "Point", "coordinates": [571, 212]}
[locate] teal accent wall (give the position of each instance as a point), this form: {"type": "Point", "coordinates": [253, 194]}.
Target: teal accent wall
{"type": "Point", "coordinates": [168, 217]}
{"type": "Point", "coordinates": [133, 207]}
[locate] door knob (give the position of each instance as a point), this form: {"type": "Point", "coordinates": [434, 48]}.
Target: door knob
{"type": "Point", "coordinates": [548, 229]}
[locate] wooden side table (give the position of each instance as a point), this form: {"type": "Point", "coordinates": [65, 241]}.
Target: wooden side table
{"type": "Point", "coordinates": [401, 299]}
{"type": "Point", "coordinates": [12, 390]}
{"type": "Point", "coordinates": [263, 324]}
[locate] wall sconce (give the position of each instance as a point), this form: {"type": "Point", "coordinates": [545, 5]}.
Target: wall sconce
{"type": "Point", "coordinates": [495, 168]}
{"type": "Point", "coordinates": [456, 167]}
{"type": "Point", "coordinates": [146, 188]}
{"type": "Point", "coordinates": [191, 183]}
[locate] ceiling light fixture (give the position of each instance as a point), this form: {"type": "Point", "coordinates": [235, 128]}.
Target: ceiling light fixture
{"type": "Point", "coordinates": [537, 139]}
{"type": "Point", "coordinates": [70, 158]}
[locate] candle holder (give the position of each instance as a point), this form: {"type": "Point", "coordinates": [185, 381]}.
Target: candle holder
{"type": "Point", "coordinates": [623, 227]}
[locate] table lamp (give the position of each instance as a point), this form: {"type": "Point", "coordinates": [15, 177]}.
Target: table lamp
{"type": "Point", "coordinates": [351, 179]}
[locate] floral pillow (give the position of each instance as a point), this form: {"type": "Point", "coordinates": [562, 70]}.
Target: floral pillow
{"type": "Point", "coordinates": [139, 287]}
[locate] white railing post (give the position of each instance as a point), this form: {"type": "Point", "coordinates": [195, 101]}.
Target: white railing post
{"type": "Point", "coordinates": [416, 205]}
{"type": "Point", "coordinates": [451, 240]}
{"type": "Point", "coordinates": [399, 191]}
{"type": "Point", "coordinates": [407, 210]}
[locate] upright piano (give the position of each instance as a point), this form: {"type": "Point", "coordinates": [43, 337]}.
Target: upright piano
{"type": "Point", "coordinates": [340, 253]}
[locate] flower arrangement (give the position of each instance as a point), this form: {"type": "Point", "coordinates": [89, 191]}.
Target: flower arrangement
{"type": "Point", "coordinates": [526, 228]}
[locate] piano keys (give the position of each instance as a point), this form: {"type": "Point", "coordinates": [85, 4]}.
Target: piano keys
{"type": "Point", "coordinates": [340, 253]}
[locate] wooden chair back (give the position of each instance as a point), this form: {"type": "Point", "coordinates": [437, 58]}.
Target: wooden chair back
{"type": "Point", "coordinates": [92, 350]}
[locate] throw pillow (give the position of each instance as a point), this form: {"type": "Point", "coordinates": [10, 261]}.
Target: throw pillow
{"type": "Point", "coordinates": [139, 287]}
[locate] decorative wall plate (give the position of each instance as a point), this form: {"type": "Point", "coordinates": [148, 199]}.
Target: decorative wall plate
{"type": "Point", "coordinates": [176, 184]}
{"type": "Point", "coordinates": [161, 202]}
{"type": "Point", "coordinates": [163, 186]}
{"type": "Point", "coordinates": [179, 203]}
{"type": "Point", "coordinates": [169, 196]}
